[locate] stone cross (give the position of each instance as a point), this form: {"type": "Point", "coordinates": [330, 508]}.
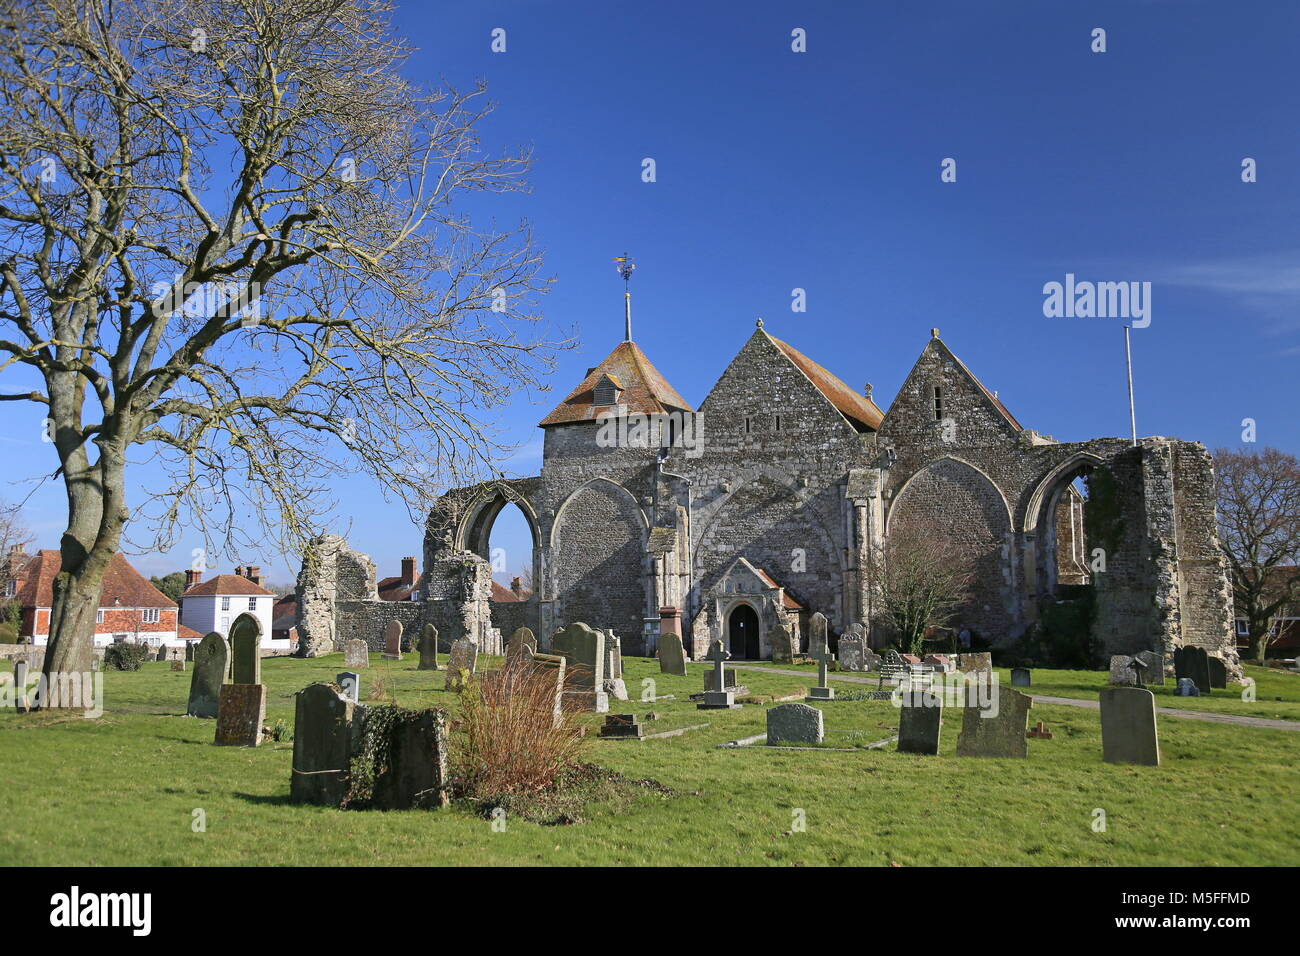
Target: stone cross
{"type": "Point", "coordinates": [718, 678]}
{"type": "Point", "coordinates": [823, 656]}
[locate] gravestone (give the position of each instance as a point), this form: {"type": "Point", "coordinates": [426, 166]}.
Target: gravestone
{"type": "Point", "coordinates": [1040, 732]}
{"type": "Point", "coordinates": [852, 652]}
{"type": "Point", "coordinates": [621, 727]}
{"type": "Point", "coordinates": [356, 654]}
{"type": "Point", "coordinates": [1193, 662]}
{"type": "Point", "coordinates": [178, 665]}
{"type": "Point", "coordinates": [716, 694]}
{"type": "Point", "coordinates": [350, 683]}
{"type": "Point", "coordinates": [393, 641]}
{"type": "Point", "coordinates": [241, 710]}
{"type": "Point", "coordinates": [822, 691]}
{"type": "Point", "coordinates": [614, 685]}
{"type": "Point", "coordinates": [1121, 671]}
{"type": "Point", "coordinates": [1128, 726]}
{"type": "Point", "coordinates": [1218, 673]}
{"type": "Point", "coordinates": [795, 724]}
{"type": "Point", "coordinates": [428, 648]}
{"type": "Point", "coordinates": [211, 658]}
{"type": "Point", "coordinates": [1155, 662]}
{"type": "Point", "coordinates": [920, 720]}
{"type": "Point", "coordinates": [552, 667]}
{"type": "Point", "coordinates": [1186, 688]}
{"type": "Point", "coordinates": [245, 650]}
{"type": "Point", "coordinates": [1000, 735]}
{"type": "Point", "coordinates": [980, 664]}
{"type": "Point", "coordinates": [941, 663]}
{"type": "Point", "coordinates": [817, 630]}
{"type": "Point", "coordinates": [21, 668]}
{"type": "Point", "coordinates": [521, 647]}
{"type": "Point", "coordinates": [1020, 677]}
{"type": "Point", "coordinates": [322, 745]}
{"type": "Point", "coordinates": [461, 663]}
{"type": "Point", "coordinates": [417, 769]}
{"type": "Point", "coordinates": [672, 655]}
{"type": "Point", "coordinates": [870, 660]}
{"type": "Point", "coordinates": [783, 642]}
{"type": "Point", "coordinates": [583, 648]}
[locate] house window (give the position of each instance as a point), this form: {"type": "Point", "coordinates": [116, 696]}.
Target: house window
{"type": "Point", "coordinates": [225, 624]}
{"type": "Point", "coordinates": [938, 404]}
{"type": "Point", "coordinates": [225, 604]}
{"type": "Point", "coordinates": [151, 615]}
{"type": "Point", "coordinates": [1243, 630]}
{"type": "Point", "coordinates": [99, 616]}
{"type": "Point", "coordinates": [252, 604]}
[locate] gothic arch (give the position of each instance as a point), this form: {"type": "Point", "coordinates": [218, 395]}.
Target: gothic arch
{"type": "Point", "coordinates": [595, 482]}
{"type": "Point", "coordinates": [1051, 484]}
{"type": "Point", "coordinates": [475, 527]}
{"type": "Point", "coordinates": [926, 468]}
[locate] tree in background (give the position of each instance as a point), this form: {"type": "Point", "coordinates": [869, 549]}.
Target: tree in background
{"type": "Point", "coordinates": [232, 233]}
{"type": "Point", "coordinates": [172, 585]}
{"type": "Point", "coordinates": [1259, 529]}
{"type": "Point", "coordinates": [918, 581]}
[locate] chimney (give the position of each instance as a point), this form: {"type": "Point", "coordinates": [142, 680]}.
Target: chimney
{"type": "Point", "coordinates": [517, 586]}
{"type": "Point", "coordinates": [192, 578]}
{"type": "Point", "coordinates": [239, 571]}
{"type": "Point", "coordinates": [254, 573]}
{"type": "Point", "coordinates": [408, 572]}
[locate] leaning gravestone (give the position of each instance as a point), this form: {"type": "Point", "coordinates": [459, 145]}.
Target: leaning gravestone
{"type": "Point", "coordinates": [1193, 662]}
{"type": "Point", "coordinates": [393, 641]}
{"type": "Point", "coordinates": [1020, 677]}
{"type": "Point", "coordinates": [460, 664]}
{"type": "Point", "coordinates": [322, 745]}
{"type": "Point", "coordinates": [428, 648]}
{"type": "Point", "coordinates": [794, 723]}
{"type": "Point", "coordinates": [1155, 662]}
{"type": "Point", "coordinates": [521, 647]}
{"type": "Point", "coordinates": [1128, 726]}
{"type": "Point", "coordinates": [817, 629]}
{"type": "Point", "coordinates": [356, 654]}
{"type": "Point", "coordinates": [245, 650]}
{"type": "Point", "coordinates": [672, 655]}
{"type": "Point", "coordinates": [583, 648]}
{"type": "Point", "coordinates": [919, 722]}
{"type": "Point", "coordinates": [241, 709]}
{"type": "Point", "coordinates": [852, 653]}
{"type": "Point", "coordinates": [211, 658]}
{"type": "Point", "coordinates": [985, 734]}
{"type": "Point", "coordinates": [350, 682]}
{"type": "Point", "coordinates": [1121, 671]}
{"type": "Point", "coordinates": [1218, 673]}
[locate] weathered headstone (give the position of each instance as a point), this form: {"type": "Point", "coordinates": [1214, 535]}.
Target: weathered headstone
{"type": "Point", "coordinates": [870, 660]}
{"type": "Point", "coordinates": [672, 656]}
{"type": "Point", "coordinates": [417, 764]}
{"type": "Point", "coordinates": [614, 685]}
{"type": "Point", "coordinates": [178, 666]}
{"type": "Point", "coordinates": [393, 641]}
{"type": "Point", "coordinates": [428, 648]}
{"type": "Point", "coordinates": [241, 709]}
{"type": "Point", "coordinates": [817, 631]}
{"type": "Point", "coordinates": [552, 666]}
{"type": "Point", "coordinates": [1186, 688]}
{"type": "Point", "coordinates": [621, 727]}
{"type": "Point", "coordinates": [716, 694]}
{"type": "Point", "coordinates": [246, 650]}
{"type": "Point", "coordinates": [941, 663]}
{"type": "Point", "coordinates": [985, 734]}
{"type": "Point", "coordinates": [350, 683]}
{"type": "Point", "coordinates": [920, 720]}
{"type": "Point", "coordinates": [211, 658]}
{"type": "Point", "coordinates": [356, 654]}
{"type": "Point", "coordinates": [1194, 662]}
{"type": "Point", "coordinates": [583, 648]}
{"type": "Point", "coordinates": [981, 663]}
{"type": "Point", "coordinates": [322, 744]}
{"type": "Point", "coordinates": [1020, 677]}
{"type": "Point", "coordinates": [823, 691]}
{"type": "Point", "coordinates": [795, 724]}
{"type": "Point", "coordinates": [1121, 671]}
{"type": "Point", "coordinates": [1218, 673]}
{"type": "Point", "coordinates": [522, 646]}
{"type": "Point", "coordinates": [1155, 662]}
{"type": "Point", "coordinates": [1040, 732]}
{"type": "Point", "coordinates": [1128, 726]}
{"type": "Point", "coordinates": [461, 663]}
{"type": "Point", "coordinates": [852, 652]}
{"type": "Point", "coordinates": [21, 669]}
{"type": "Point", "coordinates": [783, 641]}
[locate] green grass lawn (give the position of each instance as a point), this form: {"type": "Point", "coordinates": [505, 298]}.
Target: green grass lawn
{"type": "Point", "coordinates": [122, 788]}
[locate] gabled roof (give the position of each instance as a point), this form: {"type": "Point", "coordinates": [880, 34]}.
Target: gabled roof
{"type": "Point", "coordinates": [786, 601]}
{"type": "Point", "coordinates": [642, 389]}
{"type": "Point", "coordinates": [991, 397]}
{"type": "Point", "coordinates": [123, 585]}
{"type": "Point", "coordinates": [227, 584]}
{"type": "Point", "coordinates": [502, 593]}
{"type": "Point", "coordinates": [858, 409]}
{"type": "Point", "coordinates": [395, 589]}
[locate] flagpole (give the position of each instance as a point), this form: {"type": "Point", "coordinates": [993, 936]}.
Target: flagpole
{"type": "Point", "coordinates": [1128, 359]}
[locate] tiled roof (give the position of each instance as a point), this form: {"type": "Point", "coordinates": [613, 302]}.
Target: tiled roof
{"type": "Point", "coordinates": [392, 589]}
{"type": "Point", "coordinates": [188, 634]}
{"type": "Point", "coordinates": [123, 585]}
{"type": "Point", "coordinates": [786, 601]}
{"type": "Point", "coordinates": [227, 584]}
{"type": "Point", "coordinates": [502, 593]}
{"type": "Point", "coordinates": [858, 409]}
{"type": "Point", "coordinates": [642, 389]}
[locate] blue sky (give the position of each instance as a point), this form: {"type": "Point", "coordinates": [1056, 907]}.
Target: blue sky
{"type": "Point", "coordinates": [779, 170]}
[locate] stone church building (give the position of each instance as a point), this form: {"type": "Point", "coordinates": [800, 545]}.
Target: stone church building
{"type": "Point", "coordinates": [740, 519]}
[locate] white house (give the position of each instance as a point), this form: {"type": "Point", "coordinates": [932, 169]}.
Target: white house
{"type": "Point", "coordinates": [213, 605]}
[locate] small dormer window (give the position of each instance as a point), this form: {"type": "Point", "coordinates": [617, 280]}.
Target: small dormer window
{"type": "Point", "coordinates": [605, 392]}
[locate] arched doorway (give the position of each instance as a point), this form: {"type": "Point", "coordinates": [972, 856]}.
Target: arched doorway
{"type": "Point", "coordinates": [742, 633]}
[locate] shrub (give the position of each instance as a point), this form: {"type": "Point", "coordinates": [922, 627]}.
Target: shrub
{"type": "Point", "coordinates": [510, 743]}
{"type": "Point", "coordinates": [126, 656]}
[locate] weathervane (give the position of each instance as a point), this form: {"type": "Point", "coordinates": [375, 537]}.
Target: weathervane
{"type": "Point", "coordinates": [625, 267]}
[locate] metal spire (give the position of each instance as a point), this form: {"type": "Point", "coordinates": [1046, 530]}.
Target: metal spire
{"type": "Point", "coordinates": [625, 266]}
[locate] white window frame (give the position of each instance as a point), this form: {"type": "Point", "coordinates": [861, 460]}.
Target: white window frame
{"type": "Point", "coordinates": [150, 615]}
{"type": "Point", "coordinates": [99, 616]}
{"type": "Point", "coordinates": [225, 604]}
{"type": "Point", "coordinates": [252, 604]}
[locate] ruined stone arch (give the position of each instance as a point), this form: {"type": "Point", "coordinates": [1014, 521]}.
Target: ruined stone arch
{"type": "Point", "coordinates": [475, 527]}
{"type": "Point", "coordinates": [1041, 547]}
{"type": "Point", "coordinates": [898, 495]}
{"type": "Point", "coordinates": [1050, 486]}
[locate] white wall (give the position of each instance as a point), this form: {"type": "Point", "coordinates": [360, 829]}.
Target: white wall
{"type": "Point", "coordinates": [204, 613]}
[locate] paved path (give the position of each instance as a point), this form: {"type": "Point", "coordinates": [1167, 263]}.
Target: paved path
{"type": "Point", "coordinates": [1235, 719]}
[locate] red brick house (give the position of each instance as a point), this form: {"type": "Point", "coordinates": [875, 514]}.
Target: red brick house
{"type": "Point", "coordinates": [130, 608]}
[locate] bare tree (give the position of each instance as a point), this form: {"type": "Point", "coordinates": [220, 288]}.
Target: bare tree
{"type": "Point", "coordinates": [1259, 528]}
{"type": "Point", "coordinates": [231, 239]}
{"type": "Point", "coordinates": [13, 532]}
{"type": "Point", "coordinates": [920, 578]}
